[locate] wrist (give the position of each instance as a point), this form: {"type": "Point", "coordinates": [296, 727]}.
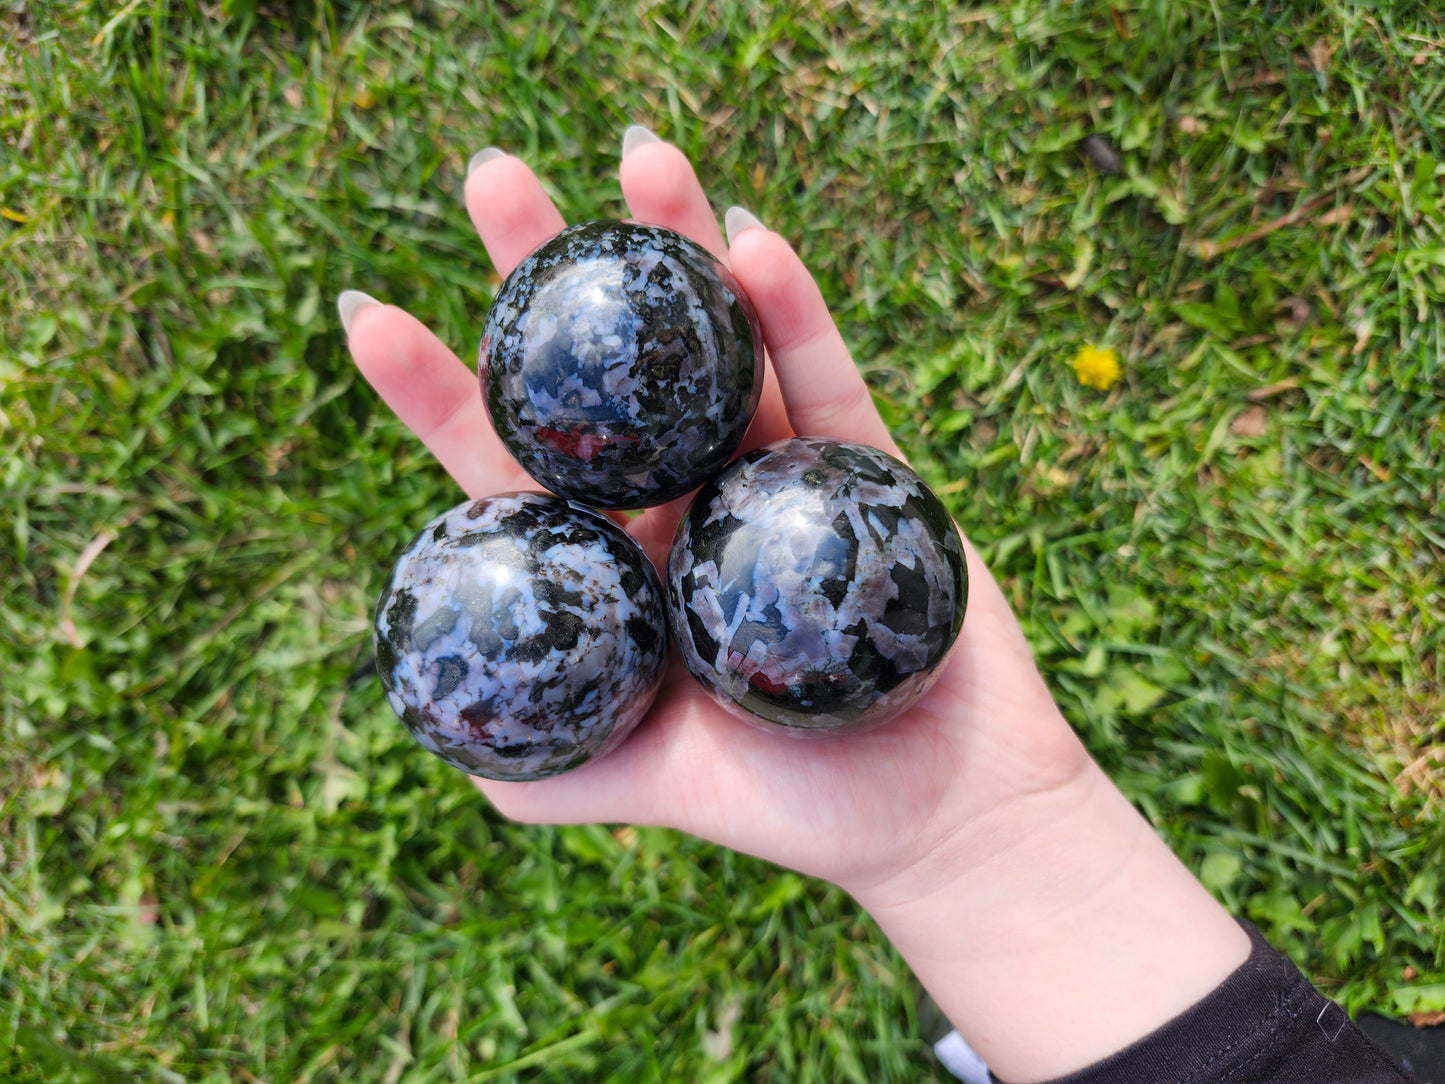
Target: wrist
{"type": "Point", "coordinates": [1075, 934]}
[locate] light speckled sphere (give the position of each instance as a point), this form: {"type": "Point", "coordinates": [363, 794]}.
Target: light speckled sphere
{"type": "Point", "coordinates": [621, 364]}
{"type": "Point", "coordinates": [816, 585]}
{"type": "Point", "coordinates": [521, 635]}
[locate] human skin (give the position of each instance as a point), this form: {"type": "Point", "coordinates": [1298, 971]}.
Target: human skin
{"type": "Point", "coordinates": [1041, 911]}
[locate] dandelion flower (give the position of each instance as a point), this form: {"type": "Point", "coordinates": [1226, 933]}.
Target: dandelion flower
{"type": "Point", "coordinates": [1097, 368]}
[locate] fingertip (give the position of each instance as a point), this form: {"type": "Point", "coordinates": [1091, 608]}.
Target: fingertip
{"type": "Point", "coordinates": [392, 348]}
{"type": "Point", "coordinates": [822, 389]}
{"type": "Point", "coordinates": [661, 188]}
{"type": "Point", "coordinates": [351, 302]}
{"type": "Point", "coordinates": [636, 136]}
{"type": "Point", "coordinates": [764, 261]}
{"type": "Point", "coordinates": [738, 220]}
{"type": "Point", "coordinates": [510, 209]}
{"type": "Point", "coordinates": [482, 157]}
{"type": "Point", "coordinates": [647, 157]}
{"type": "Point", "coordinates": [491, 176]}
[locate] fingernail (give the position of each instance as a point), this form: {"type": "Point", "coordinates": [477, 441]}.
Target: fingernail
{"type": "Point", "coordinates": [350, 303]}
{"type": "Point", "coordinates": [637, 136]}
{"type": "Point", "coordinates": [486, 154]}
{"type": "Point", "coordinates": [737, 220]}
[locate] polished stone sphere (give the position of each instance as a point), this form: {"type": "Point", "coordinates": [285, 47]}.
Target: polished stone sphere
{"type": "Point", "coordinates": [621, 364]}
{"type": "Point", "coordinates": [816, 585]}
{"type": "Point", "coordinates": [521, 635]}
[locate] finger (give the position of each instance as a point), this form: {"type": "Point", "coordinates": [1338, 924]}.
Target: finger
{"type": "Point", "coordinates": [511, 212]}
{"type": "Point", "coordinates": [661, 188]}
{"type": "Point", "coordinates": [770, 423]}
{"type": "Point", "coordinates": [435, 395]}
{"type": "Point", "coordinates": [824, 393]}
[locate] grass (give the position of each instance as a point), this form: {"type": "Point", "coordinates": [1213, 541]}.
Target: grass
{"type": "Point", "coordinates": [221, 859]}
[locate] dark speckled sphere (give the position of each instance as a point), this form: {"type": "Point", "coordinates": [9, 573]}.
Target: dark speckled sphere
{"type": "Point", "coordinates": [520, 636]}
{"type": "Point", "coordinates": [621, 364]}
{"type": "Point", "coordinates": [816, 585]}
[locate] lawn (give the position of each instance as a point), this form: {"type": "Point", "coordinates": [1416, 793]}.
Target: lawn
{"type": "Point", "coordinates": [222, 859]}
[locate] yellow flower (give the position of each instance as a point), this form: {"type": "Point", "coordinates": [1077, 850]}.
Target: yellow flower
{"type": "Point", "coordinates": [1097, 368]}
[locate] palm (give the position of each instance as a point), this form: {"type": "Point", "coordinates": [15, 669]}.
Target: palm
{"type": "Point", "coordinates": [835, 806]}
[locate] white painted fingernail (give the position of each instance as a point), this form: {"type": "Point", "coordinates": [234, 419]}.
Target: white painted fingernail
{"type": "Point", "coordinates": [486, 154]}
{"type": "Point", "coordinates": [739, 219]}
{"type": "Point", "coordinates": [350, 303]}
{"type": "Point", "coordinates": [637, 136]}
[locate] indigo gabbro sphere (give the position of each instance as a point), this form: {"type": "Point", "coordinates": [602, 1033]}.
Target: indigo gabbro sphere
{"type": "Point", "coordinates": [621, 364]}
{"type": "Point", "coordinates": [816, 585]}
{"type": "Point", "coordinates": [521, 635]}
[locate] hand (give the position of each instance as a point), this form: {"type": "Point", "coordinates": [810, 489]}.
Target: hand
{"type": "Point", "coordinates": [851, 809]}
{"type": "Point", "coordinates": [978, 805]}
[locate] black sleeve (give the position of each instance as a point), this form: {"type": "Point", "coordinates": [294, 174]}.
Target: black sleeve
{"type": "Point", "coordinates": [1264, 1025]}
